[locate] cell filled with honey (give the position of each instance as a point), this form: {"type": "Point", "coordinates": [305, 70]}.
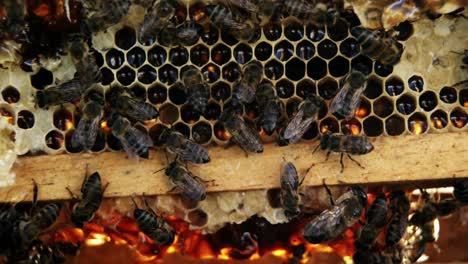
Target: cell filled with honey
{"type": "Point", "coordinates": [439, 119]}
{"type": "Point", "coordinates": [417, 123]}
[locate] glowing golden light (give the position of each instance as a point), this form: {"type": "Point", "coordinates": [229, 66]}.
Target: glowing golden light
{"type": "Point", "coordinates": [438, 123]}
{"type": "Point", "coordinates": [9, 119]}
{"type": "Point", "coordinates": [348, 260]}
{"type": "Point", "coordinates": [224, 254]}
{"type": "Point", "coordinates": [282, 253]}
{"type": "Point", "coordinates": [361, 112]}
{"type": "Point", "coordinates": [104, 126]}
{"type": "Point", "coordinates": [324, 129]}
{"type": "Point", "coordinates": [459, 123]}
{"type": "Point", "coordinates": [68, 124]}
{"type": "Point", "coordinates": [147, 123]}
{"type": "Point", "coordinates": [417, 127]}
{"type": "Point", "coordinates": [254, 256]}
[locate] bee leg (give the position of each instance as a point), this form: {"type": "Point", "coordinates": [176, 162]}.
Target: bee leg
{"type": "Point", "coordinates": [74, 198]}
{"type": "Point", "coordinates": [35, 192]}
{"type": "Point", "coordinates": [341, 162]}
{"type": "Point", "coordinates": [359, 164]}
{"type": "Point", "coordinates": [328, 155]}
{"type": "Point", "coordinates": [202, 181]}
{"type": "Point", "coordinates": [332, 202]}
{"type": "Point", "coordinates": [174, 190]}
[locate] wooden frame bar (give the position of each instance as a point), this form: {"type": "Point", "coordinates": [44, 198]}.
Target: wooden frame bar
{"type": "Point", "coordinates": [394, 160]}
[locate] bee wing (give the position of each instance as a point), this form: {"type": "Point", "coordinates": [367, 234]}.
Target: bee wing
{"type": "Point", "coordinates": [297, 126]}
{"type": "Point", "coordinates": [339, 100]}
{"type": "Point", "coordinates": [247, 137]}
{"type": "Point", "coordinates": [188, 185]}
{"type": "Point", "coordinates": [139, 110]}
{"type": "Point", "coordinates": [79, 134]}
{"type": "Point", "coordinates": [355, 100]}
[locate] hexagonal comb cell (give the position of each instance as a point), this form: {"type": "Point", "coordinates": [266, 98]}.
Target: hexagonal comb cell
{"type": "Point", "coordinates": [54, 139]}
{"type": "Point", "coordinates": [458, 117]}
{"type": "Point", "coordinates": [439, 119]}
{"type": "Point", "coordinates": [42, 78]}
{"type": "Point", "coordinates": [25, 119]}
{"type": "Point", "coordinates": [11, 95]}
{"type": "Point", "coordinates": [125, 38]}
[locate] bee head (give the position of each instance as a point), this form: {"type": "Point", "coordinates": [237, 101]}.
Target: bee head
{"type": "Point", "coordinates": [165, 132]}
{"type": "Point", "coordinates": [317, 101]}
{"type": "Point", "coordinates": [324, 141]}
{"type": "Point", "coordinates": [361, 195]}
{"type": "Point", "coordinates": [138, 213]}
{"type": "Point", "coordinates": [291, 214]}
{"type": "Point", "coordinates": [171, 167]}
{"type": "Point", "coordinates": [40, 99]}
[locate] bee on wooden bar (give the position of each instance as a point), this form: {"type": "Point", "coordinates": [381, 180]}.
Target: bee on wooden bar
{"type": "Point", "coordinates": [197, 90]}
{"type": "Point", "coordinates": [185, 149]}
{"type": "Point", "coordinates": [306, 114]}
{"type": "Point", "coordinates": [191, 186]}
{"type": "Point", "coordinates": [432, 209]}
{"type": "Point", "coordinates": [134, 141]}
{"type": "Point", "coordinates": [153, 225]}
{"type": "Point", "coordinates": [345, 144]}
{"type": "Point", "coordinates": [131, 107]}
{"type": "Point", "coordinates": [460, 191]}
{"type": "Point", "coordinates": [375, 220]}
{"type": "Point", "coordinates": [386, 50]}
{"type": "Point", "coordinates": [15, 25]}
{"type": "Point", "coordinates": [223, 18]}
{"type": "Point", "coordinates": [156, 19]}
{"type": "Point", "coordinates": [102, 14]}
{"type": "Point", "coordinates": [88, 128]}
{"type": "Point", "coordinates": [396, 229]}
{"type": "Point", "coordinates": [66, 92]}
{"type": "Point", "coordinates": [348, 98]}
{"type": "Point", "coordinates": [244, 90]}
{"type": "Point", "coordinates": [89, 201]}
{"type": "Point", "coordinates": [289, 194]}
{"type": "Point", "coordinates": [270, 108]}
{"type": "Point", "coordinates": [333, 222]}
{"type": "Point", "coordinates": [244, 135]}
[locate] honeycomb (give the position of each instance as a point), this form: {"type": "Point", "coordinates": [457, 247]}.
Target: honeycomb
{"type": "Point", "coordinates": [415, 96]}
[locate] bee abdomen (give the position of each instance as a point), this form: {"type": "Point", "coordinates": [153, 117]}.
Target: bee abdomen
{"type": "Point", "coordinates": [47, 215]}
{"type": "Point", "coordinates": [357, 145]}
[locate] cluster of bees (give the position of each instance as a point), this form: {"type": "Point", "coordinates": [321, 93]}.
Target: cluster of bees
{"type": "Point", "coordinates": [122, 110]}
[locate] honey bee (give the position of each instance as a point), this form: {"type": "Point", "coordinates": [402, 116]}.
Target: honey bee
{"type": "Point", "coordinates": [244, 89]}
{"type": "Point", "coordinates": [156, 19]}
{"type": "Point", "coordinates": [333, 222]}
{"type": "Point", "coordinates": [89, 201]}
{"type": "Point", "coordinates": [460, 191]}
{"type": "Point", "coordinates": [225, 20]}
{"type": "Point", "coordinates": [432, 209]}
{"type": "Point", "coordinates": [375, 220]}
{"type": "Point", "coordinates": [134, 141]}
{"type": "Point", "coordinates": [15, 25]}
{"type": "Point", "coordinates": [424, 235]}
{"type": "Point", "coordinates": [131, 107]}
{"type": "Point", "coordinates": [289, 190]}
{"type": "Point", "coordinates": [318, 13]}
{"type": "Point", "coordinates": [347, 100]}
{"type": "Point", "coordinates": [30, 228]}
{"type": "Point", "coordinates": [87, 70]}
{"type": "Point", "coordinates": [191, 186]}
{"type": "Point", "coordinates": [386, 50]}
{"type": "Point", "coordinates": [66, 92]}
{"type": "Point", "coordinates": [345, 144]}
{"type": "Point", "coordinates": [9, 218]}
{"type": "Point", "coordinates": [102, 14]}
{"type": "Point", "coordinates": [306, 114]}
{"type": "Point", "coordinates": [269, 106]}
{"type": "Point", "coordinates": [396, 229]}
{"type": "Point", "coordinates": [154, 226]}
{"type": "Point", "coordinates": [197, 90]}
{"type": "Point", "coordinates": [185, 149]}
{"type": "Point", "coordinates": [244, 135]}
{"type": "Point", "coordinates": [88, 128]}
{"type": "Point", "coordinates": [187, 33]}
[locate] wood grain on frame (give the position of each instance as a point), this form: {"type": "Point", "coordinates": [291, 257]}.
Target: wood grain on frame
{"type": "Point", "coordinates": [394, 159]}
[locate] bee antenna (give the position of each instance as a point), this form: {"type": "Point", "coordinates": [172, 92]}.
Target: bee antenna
{"type": "Point", "coordinates": [133, 200]}
{"type": "Point", "coordinates": [159, 170]}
